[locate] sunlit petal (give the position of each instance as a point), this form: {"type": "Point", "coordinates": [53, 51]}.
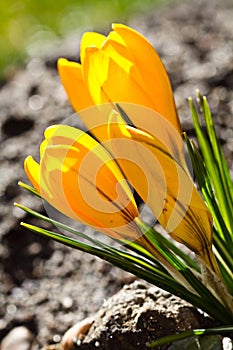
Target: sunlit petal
{"type": "Point", "coordinates": [72, 80]}
{"type": "Point", "coordinates": [153, 73]}
{"type": "Point", "coordinates": [90, 39]}
{"type": "Point", "coordinates": [32, 169]}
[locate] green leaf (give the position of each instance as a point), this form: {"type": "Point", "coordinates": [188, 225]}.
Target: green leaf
{"type": "Point", "coordinates": [29, 189]}
{"type": "Point", "coordinates": [211, 342]}
{"type": "Point", "coordinates": [221, 238]}
{"type": "Point", "coordinates": [217, 151]}
{"type": "Point", "coordinates": [124, 260]}
{"type": "Point", "coordinates": [215, 164]}
{"type": "Point", "coordinates": [214, 180]}
{"type": "Point", "coordinates": [142, 266]}
{"type": "Point", "coordinates": [169, 249]}
{"type": "Point", "coordinates": [194, 334]}
{"type": "Point", "coordinates": [150, 260]}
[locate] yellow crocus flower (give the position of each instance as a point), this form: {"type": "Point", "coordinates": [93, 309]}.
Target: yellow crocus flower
{"type": "Point", "coordinates": [78, 177]}
{"type": "Point", "coordinates": [120, 67]}
{"type": "Point", "coordinates": [123, 68]}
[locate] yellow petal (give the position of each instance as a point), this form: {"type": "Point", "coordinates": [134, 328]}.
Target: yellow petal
{"type": "Point", "coordinates": [195, 223]}
{"type": "Point", "coordinates": [115, 48]}
{"type": "Point", "coordinates": [32, 169]}
{"type": "Point", "coordinates": [141, 167]}
{"type": "Point", "coordinates": [72, 80]}
{"type": "Point", "coordinates": [153, 72]}
{"type": "Point", "coordinates": [114, 37]}
{"type": "Point", "coordinates": [108, 82]}
{"type": "Point", "coordinates": [158, 127]}
{"type": "Point", "coordinates": [90, 39]}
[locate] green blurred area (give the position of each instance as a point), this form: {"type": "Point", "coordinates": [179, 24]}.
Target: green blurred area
{"type": "Point", "coordinates": [25, 25]}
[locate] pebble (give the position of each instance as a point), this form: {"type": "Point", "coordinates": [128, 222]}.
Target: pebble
{"type": "Point", "coordinates": [77, 331]}
{"type": "Point", "coordinates": [227, 343]}
{"type": "Point", "coordinates": [19, 338]}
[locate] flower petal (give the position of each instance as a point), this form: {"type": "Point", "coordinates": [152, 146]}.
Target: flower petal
{"type": "Point", "coordinates": [108, 82]}
{"type": "Point", "coordinates": [72, 80]}
{"type": "Point", "coordinates": [91, 39]}
{"type": "Point", "coordinates": [32, 169]}
{"type": "Point", "coordinates": [153, 73]}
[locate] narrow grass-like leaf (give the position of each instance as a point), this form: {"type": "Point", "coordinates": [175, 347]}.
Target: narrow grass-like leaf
{"type": "Point", "coordinates": [96, 243]}
{"type": "Point", "coordinates": [29, 189]}
{"type": "Point", "coordinates": [216, 186]}
{"type": "Point", "coordinates": [177, 251]}
{"type": "Point", "coordinates": [212, 166]}
{"type": "Point", "coordinates": [224, 174]}
{"type": "Point", "coordinates": [193, 332]}
{"type": "Point", "coordinates": [141, 270]}
{"type": "Point", "coordinates": [203, 180]}
{"type": "Point", "coordinates": [202, 342]}
{"type": "Point", "coordinates": [217, 150]}
{"type": "Point", "coordinates": [221, 234]}
{"type": "Point", "coordinates": [126, 261]}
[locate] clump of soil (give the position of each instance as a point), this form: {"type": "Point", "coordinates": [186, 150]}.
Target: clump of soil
{"type": "Point", "coordinates": [139, 314]}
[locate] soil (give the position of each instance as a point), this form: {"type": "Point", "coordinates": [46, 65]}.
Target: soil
{"type": "Point", "coordinates": [44, 286]}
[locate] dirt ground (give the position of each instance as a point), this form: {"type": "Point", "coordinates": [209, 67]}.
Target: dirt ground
{"type": "Point", "coordinates": [44, 286]}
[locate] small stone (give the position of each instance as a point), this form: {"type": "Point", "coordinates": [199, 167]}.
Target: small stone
{"type": "Point", "coordinates": [36, 102]}
{"type": "Point", "coordinates": [227, 343]}
{"type": "Point", "coordinates": [138, 314]}
{"type": "Point", "coordinates": [67, 302]}
{"type": "Point", "coordinates": [77, 331]}
{"type": "Point", "coordinates": [19, 338]}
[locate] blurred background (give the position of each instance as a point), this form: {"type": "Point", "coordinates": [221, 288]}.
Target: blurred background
{"type": "Point", "coordinates": [28, 25]}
